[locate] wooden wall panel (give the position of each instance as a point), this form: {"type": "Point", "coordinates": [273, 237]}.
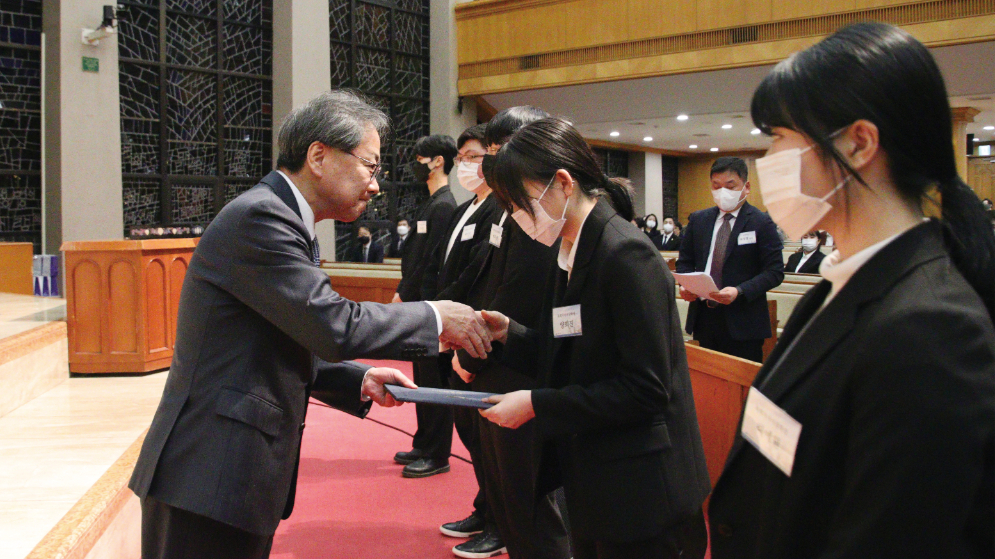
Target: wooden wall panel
{"type": "Point", "coordinates": [123, 313]}
{"type": "Point", "coordinates": [981, 176]}
{"type": "Point", "coordinates": [155, 303]}
{"type": "Point", "coordinates": [86, 293]}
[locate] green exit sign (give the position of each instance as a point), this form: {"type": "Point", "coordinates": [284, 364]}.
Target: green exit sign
{"type": "Point", "coordinates": [91, 64]}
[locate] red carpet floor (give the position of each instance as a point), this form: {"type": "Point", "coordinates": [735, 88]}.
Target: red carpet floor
{"type": "Point", "coordinates": [352, 502]}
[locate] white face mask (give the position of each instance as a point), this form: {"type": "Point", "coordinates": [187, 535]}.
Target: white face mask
{"type": "Point", "coordinates": [780, 176]}
{"type": "Point", "coordinates": [727, 200]}
{"type": "Point", "coordinates": [668, 228]}
{"type": "Point", "coordinates": [650, 224]}
{"type": "Point", "coordinates": [467, 175]}
{"type": "Point", "coordinates": [809, 245]}
{"type": "Point", "coordinates": [542, 227]}
{"type": "Point", "coordinates": [402, 230]}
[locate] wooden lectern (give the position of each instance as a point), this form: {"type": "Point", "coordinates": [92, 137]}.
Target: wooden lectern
{"type": "Point", "coordinates": [122, 299]}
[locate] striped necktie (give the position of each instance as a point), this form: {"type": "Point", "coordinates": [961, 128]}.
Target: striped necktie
{"type": "Point", "coordinates": [315, 252]}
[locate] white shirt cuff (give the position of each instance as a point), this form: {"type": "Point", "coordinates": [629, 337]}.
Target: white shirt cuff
{"type": "Point", "coordinates": [438, 318]}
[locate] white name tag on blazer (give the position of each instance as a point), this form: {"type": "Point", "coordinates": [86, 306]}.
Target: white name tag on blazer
{"type": "Point", "coordinates": [422, 227]}
{"type": "Point", "coordinates": [771, 430]}
{"type": "Point", "coordinates": [496, 232]}
{"type": "Point", "coordinates": [566, 321]}
{"type": "Point", "coordinates": [468, 232]}
{"type": "Point", "coordinates": [748, 238]}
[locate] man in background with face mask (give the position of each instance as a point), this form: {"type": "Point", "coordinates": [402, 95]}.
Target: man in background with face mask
{"type": "Point", "coordinates": [365, 249]}
{"type": "Point", "coordinates": [670, 240]}
{"type": "Point", "coordinates": [434, 157]}
{"type": "Point", "coordinates": [738, 246]}
{"type": "Point", "coordinates": [396, 247]}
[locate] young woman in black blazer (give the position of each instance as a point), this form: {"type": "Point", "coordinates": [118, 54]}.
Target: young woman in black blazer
{"type": "Point", "coordinates": [812, 248]}
{"type": "Point", "coordinates": [615, 410]}
{"type": "Point", "coordinates": [888, 366]}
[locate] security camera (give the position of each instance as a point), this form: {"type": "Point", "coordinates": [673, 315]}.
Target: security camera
{"type": "Point", "coordinates": [106, 28]}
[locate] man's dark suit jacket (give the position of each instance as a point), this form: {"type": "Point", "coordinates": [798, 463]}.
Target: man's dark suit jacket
{"type": "Point", "coordinates": [254, 311]}
{"type": "Point", "coordinates": [753, 268]}
{"type": "Point", "coordinates": [375, 256]}
{"type": "Point", "coordinates": [420, 247]}
{"type": "Point", "coordinates": [450, 278]}
{"type": "Point", "coordinates": [893, 382]}
{"type": "Point", "coordinates": [616, 409]}
{"type": "Point", "coordinates": [396, 247]}
{"type": "Point", "coordinates": [811, 265]}
{"type": "Point", "coordinates": [673, 243]}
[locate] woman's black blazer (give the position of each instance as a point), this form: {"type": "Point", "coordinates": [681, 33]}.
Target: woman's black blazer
{"type": "Point", "coordinates": [616, 411]}
{"type": "Point", "coordinates": [811, 265]}
{"type": "Point", "coordinates": [893, 382]}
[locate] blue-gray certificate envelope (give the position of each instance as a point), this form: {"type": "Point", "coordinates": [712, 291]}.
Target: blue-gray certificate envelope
{"type": "Point", "coordinates": [439, 396]}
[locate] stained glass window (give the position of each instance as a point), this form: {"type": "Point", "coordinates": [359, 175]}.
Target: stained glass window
{"type": "Point", "coordinates": [20, 122]}
{"type": "Point", "coordinates": [380, 47]}
{"type": "Point", "coordinates": [196, 106]}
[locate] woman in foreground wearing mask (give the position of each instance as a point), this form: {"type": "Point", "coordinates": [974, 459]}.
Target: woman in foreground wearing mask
{"type": "Point", "coordinates": [870, 430]}
{"type": "Point", "coordinates": [650, 228]}
{"type": "Point", "coordinates": [614, 409]}
{"type": "Point", "coordinates": [809, 257]}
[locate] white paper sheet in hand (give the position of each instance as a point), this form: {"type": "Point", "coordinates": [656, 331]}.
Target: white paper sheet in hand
{"type": "Point", "coordinates": [699, 283]}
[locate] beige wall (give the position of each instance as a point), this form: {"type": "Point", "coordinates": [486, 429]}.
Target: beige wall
{"type": "Point", "coordinates": [82, 129]}
{"type": "Point", "coordinates": [301, 70]}
{"type": "Point", "coordinates": [646, 174]}
{"type": "Point", "coordinates": [694, 183]}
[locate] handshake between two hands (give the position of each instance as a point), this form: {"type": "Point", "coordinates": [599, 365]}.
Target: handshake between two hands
{"type": "Point", "coordinates": [462, 328]}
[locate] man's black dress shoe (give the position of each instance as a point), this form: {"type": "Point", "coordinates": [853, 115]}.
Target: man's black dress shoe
{"type": "Point", "coordinates": [424, 467]}
{"type": "Point", "coordinates": [407, 457]}
{"type": "Point", "coordinates": [486, 544]}
{"type": "Point", "coordinates": [469, 526]}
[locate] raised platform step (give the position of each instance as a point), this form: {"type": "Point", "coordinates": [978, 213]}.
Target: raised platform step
{"type": "Point", "coordinates": [34, 352]}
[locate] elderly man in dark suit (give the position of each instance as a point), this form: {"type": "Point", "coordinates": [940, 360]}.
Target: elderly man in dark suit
{"type": "Point", "coordinates": [738, 246]}
{"type": "Point", "coordinates": [260, 330]}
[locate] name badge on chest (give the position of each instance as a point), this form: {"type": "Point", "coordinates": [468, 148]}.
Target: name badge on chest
{"type": "Point", "coordinates": [422, 227]}
{"type": "Point", "coordinates": [566, 322]}
{"type": "Point", "coordinates": [748, 238]}
{"type": "Point", "coordinates": [496, 232]}
{"type": "Point", "coordinates": [468, 232]}
{"type": "Point", "coordinates": [771, 430]}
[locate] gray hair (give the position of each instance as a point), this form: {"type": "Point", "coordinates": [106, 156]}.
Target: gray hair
{"type": "Point", "coordinates": [338, 118]}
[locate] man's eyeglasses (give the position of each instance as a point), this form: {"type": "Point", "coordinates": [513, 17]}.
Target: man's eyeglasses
{"type": "Point", "coordinates": [372, 166]}
{"type": "Point", "coordinates": [468, 158]}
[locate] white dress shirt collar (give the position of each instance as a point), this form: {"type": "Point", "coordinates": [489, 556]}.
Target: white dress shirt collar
{"type": "Point", "coordinates": [838, 272]}
{"type": "Point", "coordinates": [568, 250]}
{"type": "Point", "coordinates": [307, 214]}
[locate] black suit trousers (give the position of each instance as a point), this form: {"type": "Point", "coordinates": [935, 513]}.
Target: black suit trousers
{"type": "Point", "coordinates": [467, 422]}
{"type": "Point", "coordinates": [172, 533]}
{"type": "Point", "coordinates": [434, 436]}
{"type": "Point", "coordinates": [688, 540]}
{"type": "Point", "coordinates": [711, 329]}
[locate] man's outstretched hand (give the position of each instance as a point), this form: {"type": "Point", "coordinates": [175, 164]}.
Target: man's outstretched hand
{"type": "Point", "coordinates": [374, 380]}
{"type": "Point", "coordinates": [463, 328]}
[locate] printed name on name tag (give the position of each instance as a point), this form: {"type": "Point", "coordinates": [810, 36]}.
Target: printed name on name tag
{"type": "Point", "coordinates": [771, 430]}
{"type": "Point", "coordinates": [748, 238]}
{"type": "Point", "coordinates": [422, 227]}
{"type": "Point", "coordinates": [566, 321]}
{"type": "Point", "coordinates": [496, 232]}
{"type": "Point", "coordinates": [468, 232]}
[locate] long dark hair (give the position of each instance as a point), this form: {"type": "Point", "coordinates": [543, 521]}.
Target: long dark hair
{"type": "Point", "coordinates": [880, 73]}
{"type": "Point", "coordinates": [538, 150]}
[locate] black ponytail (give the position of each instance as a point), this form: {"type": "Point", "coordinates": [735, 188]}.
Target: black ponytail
{"type": "Point", "coordinates": [969, 238]}
{"type": "Point", "coordinates": [619, 191]}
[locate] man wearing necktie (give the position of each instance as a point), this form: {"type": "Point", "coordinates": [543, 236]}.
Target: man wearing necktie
{"type": "Point", "coordinates": [738, 246]}
{"type": "Point", "coordinates": [260, 330]}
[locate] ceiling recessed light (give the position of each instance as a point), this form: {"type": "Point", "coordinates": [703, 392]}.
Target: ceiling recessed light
{"type": "Point", "coordinates": [977, 139]}
{"type": "Point", "coordinates": [714, 149]}
{"type": "Point", "coordinates": [648, 139]}
{"type": "Point", "coordinates": [989, 127]}
{"type": "Point", "coordinates": [726, 126]}
{"type": "Point", "coordinates": [614, 134]}
{"type": "Point", "coordinates": [755, 131]}
{"type": "Point", "coordinates": [693, 146]}
{"type": "Point", "coordinates": [682, 118]}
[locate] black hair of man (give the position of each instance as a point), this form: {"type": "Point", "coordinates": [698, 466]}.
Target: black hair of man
{"type": "Point", "coordinates": [475, 132]}
{"type": "Point", "coordinates": [734, 164]}
{"type": "Point", "coordinates": [434, 146]}
{"type": "Point", "coordinates": [508, 121]}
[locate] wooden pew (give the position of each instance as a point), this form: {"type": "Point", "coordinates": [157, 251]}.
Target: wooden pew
{"type": "Point", "coordinates": [364, 282]}
{"type": "Point", "coordinates": [720, 384]}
